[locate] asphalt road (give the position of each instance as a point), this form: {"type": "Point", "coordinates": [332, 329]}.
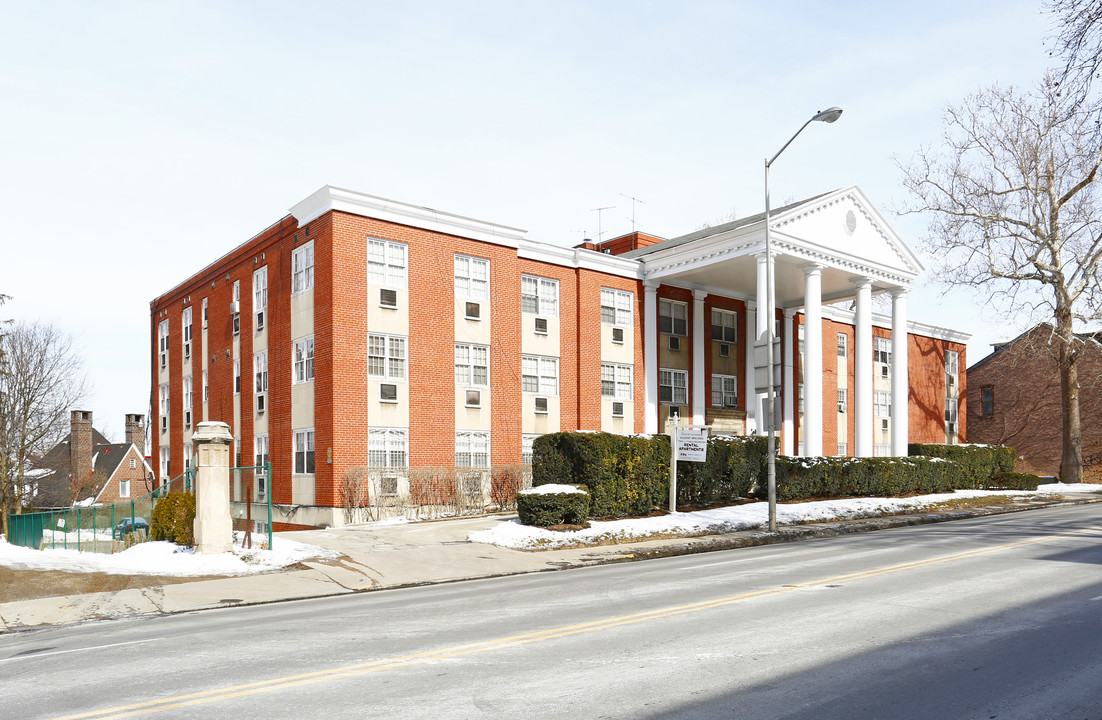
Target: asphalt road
{"type": "Point", "coordinates": [999, 617]}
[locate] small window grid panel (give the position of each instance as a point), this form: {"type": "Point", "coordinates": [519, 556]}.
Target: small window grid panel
{"type": "Point", "coordinates": [302, 268]}
{"type": "Point", "coordinates": [387, 262]}
{"type": "Point", "coordinates": [673, 386]}
{"type": "Point", "coordinates": [206, 386]}
{"type": "Point", "coordinates": [882, 350]}
{"type": "Point", "coordinates": [539, 375]}
{"type": "Point", "coordinates": [842, 450]}
{"type": "Point", "coordinates": [539, 295]}
{"type": "Point", "coordinates": [883, 402]}
{"type": "Point", "coordinates": [842, 345]}
{"type": "Point", "coordinates": [186, 322]}
{"type": "Point", "coordinates": [526, 448]}
{"type": "Point", "coordinates": [673, 317]}
{"type": "Point", "coordinates": [187, 400]}
{"type": "Point", "coordinates": [472, 449]}
{"type": "Point", "coordinates": [260, 371]}
{"type": "Point", "coordinates": [724, 326]}
{"type": "Point", "coordinates": [842, 403]}
{"type": "Point", "coordinates": [260, 289]}
{"type": "Point", "coordinates": [987, 400]}
{"type": "Point", "coordinates": [616, 306]}
{"type": "Point", "coordinates": [162, 343]}
{"type": "Point", "coordinates": [237, 376]}
{"type": "Point", "coordinates": [388, 448]}
{"type": "Point", "coordinates": [163, 406]}
{"type": "Point", "coordinates": [472, 277]}
{"type": "Point", "coordinates": [472, 365]}
{"type": "Point", "coordinates": [302, 363]}
{"type": "Point", "coordinates": [724, 391]}
{"type": "Point", "coordinates": [616, 381]}
{"type": "Point", "coordinates": [304, 452]}
{"type": "Point", "coordinates": [205, 312]}
{"type": "Point", "coordinates": [386, 356]}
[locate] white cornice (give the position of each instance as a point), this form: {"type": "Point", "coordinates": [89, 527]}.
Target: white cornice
{"type": "Point", "coordinates": [883, 321]}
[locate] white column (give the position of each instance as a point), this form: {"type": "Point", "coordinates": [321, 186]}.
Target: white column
{"type": "Point", "coordinates": [790, 418]}
{"type": "Point", "coordinates": [699, 348]}
{"type": "Point", "coordinates": [863, 398]}
{"type": "Point", "coordinates": [751, 400]}
{"type": "Point", "coordinates": [813, 360]}
{"type": "Point", "coordinates": [213, 525]}
{"type": "Point", "coordinates": [761, 324]}
{"type": "Point", "coordinates": [901, 385]}
{"type": "Point", "coordinates": [650, 354]}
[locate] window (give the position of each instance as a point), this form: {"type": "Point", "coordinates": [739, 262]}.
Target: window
{"type": "Point", "coordinates": [165, 459]}
{"type": "Point", "coordinates": [133, 463]}
{"type": "Point", "coordinates": [673, 317]}
{"type": "Point", "coordinates": [724, 326]}
{"type": "Point", "coordinates": [539, 295]}
{"type": "Point", "coordinates": [237, 307]}
{"type": "Point", "coordinates": [163, 407]}
{"type": "Point", "coordinates": [302, 365]}
{"type": "Point", "coordinates": [526, 448]}
{"type": "Point", "coordinates": [673, 386]}
{"type": "Point", "coordinates": [616, 306]}
{"type": "Point", "coordinates": [304, 452]}
{"type": "Point", "coordinates": [206, 387]}
{"type": "Point", "coordinates": [186, 322]}
{"type": "Point", "coordinates": [260, 367]}
{"type": "Point", "coordinates": [842, 399]}
{"type": "Point", "coordinates": [841, 345]}
{"type": "Point", "coordinates": [237, 376]}
{"type": "Point", "coordinates": [616, 381]}
{"type": "Point", "coordinates": [386, 356]}
{"type": "Point", "coordinates": [800, 396]}
{"type": "Point", "coordinates": [187, 400]}
{"type": "Point", "coordinates": [204, 313]}
{"type": "Point", "coordinates": [951, 412]}
{"type": "Point", "coordinates": [188, 455]}
{"type": "Point", "coordinates": [386, 262]}
{"type": "Point", "coordinates": [882, 450]}
{"type": "Point", "coordinates": [472, 449]}
{"type": "Point", "coordinates": [472, 278]}
{"type": "Point", "coordinates": [124, 488]}
{"type": "Point", "coordinates": [882, 350]}
{"type": "Point", "coordinates": [724, 391]}
{"type": "Point", "coordinates": [162, 342]}
{"type": "Point", "coordinates": [883, 402]}
{"type": "Point", "coordinates": [388, 448]}
{"type": "Point", "coordinates": [951, 360]}
{"type": "Point", "coordinates": [472, 364]}
{"type": "Point", "coordinates": [302, 268]}
{"type": "Point", "coordinates": [987, 400]}
{"type": "Point", "coordinates": [843, 450]}
{"type": "Point", "coordinates": [260, 452]}
{"type": "Point", "coordinates": [260, 295]}
{"type": "Point", "coordinates": [539, 375]}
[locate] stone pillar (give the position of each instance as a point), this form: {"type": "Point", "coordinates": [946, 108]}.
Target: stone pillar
{"type": "Point", "coordinates": [901, 385]}
{"type": "Point", "coordinates": [813, 360]}
{"type": "Point", "coordinates": [750, 400]}
{"type": "Point", "coordinates": [213, 526]}
{"type": "Point", "coordinates": [700, 346]}
{"type": "Point", "coordinates": [650, 355]}
{"type": "Point", "coordinates": [863, 397]}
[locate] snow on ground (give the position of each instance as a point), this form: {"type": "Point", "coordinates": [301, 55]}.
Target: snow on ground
{"type": "Point", "coordinates": [739, 517]}
{"type": "Point", "coordinates": [165, 558]}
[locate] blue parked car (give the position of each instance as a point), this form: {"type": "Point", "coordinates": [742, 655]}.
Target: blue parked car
{"type": "Point", "coordinates": [129, 525]}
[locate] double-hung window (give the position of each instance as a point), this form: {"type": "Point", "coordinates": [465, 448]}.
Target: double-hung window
{"type": "Point", "coordinates": [539, 374]}
{"type": "Point", "coordinates": [260, 367]}
{"type": "Point", "coordinates": [237, 304]}
{"type": "Point", "coordinates": [724, 326]}
{"type": "Point", "coordinates": [472, 277]}
{"type": "Point", "coordinates": [842, 398]}
{"type": "Point", "coordinates": [387, 448]}
{"type": "Point", "coordinates": [472, 449]}
{"type": "Point", "coordinates": [673, 317]}
{"type": "Point", "coordinates": [387, 262]}
{"type": "Point", "coordinates": [472, 364]}
{"type": "Point", "coordinates": [841, 345]}
{"type": "Point", "coordinates": [206, 387]}
{"type": "Point", "coordinates": [952, 360]}
{"type": "Point", "coordinates": [205, 313]}
{"type": "Point", "coordinates": [163, 406]}
{"type": "Point", "coordinates": [951, 411]}
{"type": "Point", "coordinates": [187, 398]}
{"type": "Point", "coordinates": [882, 350]}
{"type": "Point", "coordinates": [260, 295]}
{"type": "Point", "coordinates": [260, 453]}
{"type": "Point", "coordinates": [539, 295]}
{"type": "Point", "coordinates": [237, 376]}
{"type": "Point", "coordinates": [616, 306]}
{"type": "Point", "coordinates": [883, 404]}
{"type": "Point", "coordinates": [186, 321]}
{"type": "Point", "coordinates": [302, 268]}
{"type": "Point", "coordinates": [302, 363]}
{"type": "Point", "coordinates": [724, 391]}
{"type": "Point", "coordinates": [304, 452]}
{"type": "Point", "coordinates": [162, 342]}
{"type": "Point", "coordinates": [616, 381]}
{"type": "Point", "coordinates": [987, 400]}
{"type": "Point", "coordinates": [673, 386]}
{"type": "Point", "coordinates": [166, 458]}
{"type": "Point", "coordinates": [386, 356]}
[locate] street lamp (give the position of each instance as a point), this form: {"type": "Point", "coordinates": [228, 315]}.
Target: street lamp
{"type": "Point", "coordinates": [827, 116]}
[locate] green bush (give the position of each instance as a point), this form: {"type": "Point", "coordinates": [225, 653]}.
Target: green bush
{"type": "Point", "coordinates": [1014, 481]}
{"type": "Point", "coordinates": [732, 467]}
{"type": "Point", "coordinates": [625, 475]}
{"type": "Point", "coordinates": [547, 509]}
{"type": "Point", "coordinates": [979, 463]}
{"type": "Point", "coordinates": [174, 519]}
{"type": "Point", "coordinates": [825, 477]}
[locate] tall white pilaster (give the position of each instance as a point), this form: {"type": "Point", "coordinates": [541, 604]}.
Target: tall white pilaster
{"type": "Point", "coordinates": [762, 318]}
{"type": "Point", "coordinates": [788, 382]}
{"type": "Point", "coordinates": [863, 397]}
{"type": "Point", "coordinates": [751, 401]}
{"type": "Point", "coordinates": [813, 360]}
{"type": "Point", "coordinates": [699, 345]}
{"type": "Point", "coordinates": [901, 385]}
{"type": "Point", "coordinates": [650, 354]}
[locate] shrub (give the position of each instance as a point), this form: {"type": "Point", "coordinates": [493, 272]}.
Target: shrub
{"type": "Point", "coordinates": [544, 509]}
{"type": "Point", "coordinates": [806, 478]}
{"type": "Point", "coordinates": [732, 467]}
{"type": "Point", "coordinates": [1014, 481]}
{"type": "Point", "coordinates": [174, 519]}
{"type": "Point", "coordinates": [979, 463]}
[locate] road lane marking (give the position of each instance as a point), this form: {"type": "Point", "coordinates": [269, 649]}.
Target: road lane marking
{"type": "Point", "coordinates": [375, 666]}
{"type": "Point", "coordinates": [82, 649]}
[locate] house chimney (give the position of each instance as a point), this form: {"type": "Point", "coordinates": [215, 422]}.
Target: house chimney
{"type": "Point", "coordinates": [135, 431]}
{"type": "Point", "coordinates": [80, 445]}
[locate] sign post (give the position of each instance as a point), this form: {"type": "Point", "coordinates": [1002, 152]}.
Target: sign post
{"type": "Point", "coordinates": [687, 442]}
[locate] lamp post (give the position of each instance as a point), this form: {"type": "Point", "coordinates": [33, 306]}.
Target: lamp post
{"type": "Point", "coordinates": [827, 116]}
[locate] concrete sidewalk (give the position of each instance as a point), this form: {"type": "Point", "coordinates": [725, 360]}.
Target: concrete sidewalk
{"type": "Point", "coordinates": [403, 555]}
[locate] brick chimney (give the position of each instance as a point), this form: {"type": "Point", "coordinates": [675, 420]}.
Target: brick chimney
{"type": "Point", "coordinates": [80, 445]}
{"type": "Point", "coordinates": [135, 431]}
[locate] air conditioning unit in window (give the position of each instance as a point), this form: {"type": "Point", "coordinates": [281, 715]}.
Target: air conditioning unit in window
{"type": "Point", "coordinates": [618, 335]}
{"type": "Point", "coordinates": [541, 326]}
{"type": "Point", "coordinates": [235, 307]}
{"type": "Point", "coordinates": [541, 406]}
{"type": "Point", "coordinates": [841, 407]}
{"type": "Point", "coordinates": [187, 418]}
{"type": "Point", "coordinates": [884, 423]}
{"type": "Point", "coordinates": [388, 298]}
{"type": "Point", "coordinates": [883, 371]}
{"type": "Point", "coordinates": [388, 393]}
{"type": "Point", "coordinates": [473, 311]}
{"type": "Point", "coordinates": [952, 380]}
{"type": "Point", "coordinates": [724, 350]}
{"type": "Point", "coordinates": [261, 402]}
{"type": "Point", "coordinates": [164, 424]}
{"type": "Point", "coordinates": [952, 428]}
{"type": "Point", "coordinates": [675, 343]}
{"type": "Point", "coordinates": [473, 399]}
{"type": "Point", "coordinates": [617, 409]}
{"type": "Point", "coordinates": [260, 321]}
{"type": "Point", "coordinates": [163, 361]}
{"type": "Point", "coordinates": [675, 411]}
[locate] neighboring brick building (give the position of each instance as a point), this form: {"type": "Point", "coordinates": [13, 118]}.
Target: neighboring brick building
{"type": "Point", "coordinates": [1015, 400]}
{"type": "Point", "coordinates": [365, 332]}
{"type": "Point", "coordinates": [86, 469]}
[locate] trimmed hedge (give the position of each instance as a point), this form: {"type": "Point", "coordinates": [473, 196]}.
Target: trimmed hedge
{"type": "Point", "coordinates": [734, 464]}
{"type": "Point", "coordinates": [979, 463]}
{"type": "Point", "coordinates": [806, 478]}
{"type": "Point", "coordinates": [547, 509]}
{"type": "Point", "coordinates": [174, 519]}
{"type": "Point", "coordinates": [625, 475]}
{"type": "Point", "coordinates": [1014, 481]}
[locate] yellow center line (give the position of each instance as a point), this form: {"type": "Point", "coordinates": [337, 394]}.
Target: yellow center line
{"type": "Point", "coordinates": [374, 666]}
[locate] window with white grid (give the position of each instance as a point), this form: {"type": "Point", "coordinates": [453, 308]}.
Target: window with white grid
{"type": "Point", "coordinates": [387, 262]}
{"type": "Point", "coordinates": [526, 448]}
{"type": "Point", "coordinates": [302, 360]}
{"type": "Point", "coordinates": [724, 391]}
{"type": "Point", "coordinates": [539, 295]}
{"type": "Point", "coordinates": [163, 404]}
{"type": "Point", "coordinates": [472, 364]}
{"type": "Point", "coordinates": [673, 317]}
{"type": "Point", "coordinates": [673, 386]}
{"type": "Point", "coordinates": [302, 268]}
{"type": "Point", "coordinates": [386, 356]}
{"type": "Point", "coordinates": [472, 449]}
{"type": "Point", "coordinates": [883, 402]}
{"type": "Point", "coordinates": [952, 358]}
{"type": "Point", "coordinates": [841, 345]}
{"type": "Point", "coordinates": [186, 322]}
{"type": "Point", "coordinates": [842, 405]}
{"type": "Point", "coordinates": [260, 289]}
{"type": "Point", "coordinates": [187, 394]}
{"type": "Point", "coordinates": [472, 277]}
{"type": "Point", "coordinates": [162, 342]}
{"type": "Point", "coordinates": [539, 374]}
{"type": "Point", "coordinates": [616, 306]}
{"type": "Point", "coordinates": [304, 451]}
{"type": "Point", "coordinates": [388, 448]}
{"type": "Point", "coordinates": [882, 350]}
{"type": "Point", "coordinates": [260, 371]}
{"type": "Point", "coordinates": [724, 326]}
{"type": "Point", "coordinates": [616, 381]}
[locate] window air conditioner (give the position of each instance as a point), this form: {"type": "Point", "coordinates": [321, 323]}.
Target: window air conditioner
{"type": "Point", "coordinates": [884, 423]}
{"type": "Point", "coordinates": [675, 343]}
{"type": "Point", "coordinates": [261, 402]}
{"type": "Point", "coordinates": [163, 360]}
{"type": "Point", "coordinates": [883, 371]}
{"type": "Point", "coordinates": [952, 428]}
{"type": "Point", "coordinates": [388, 393]}
{"type": "Point", "coordinates": [952, 380]}
{"type": "Point", "coordinates": [541, 406]}
{"type": "Point", "coordinates": [187, 418]}
{"type": "Point", "coordinates": [235, 307]}
{"type": "Point", "coordinates": [724, 350]}
{"type": "Point", "coordinates": [388, 298]}
{"type": "Point", "coordinates": [187, 352]}
{"type": "Point", "coordinates": [541, 326]}
{"type": "Point", "coordinates": [618, 335]}
{"type": "Point", "coordinates": [260, 321]}
{"type": "Point", "coordinates": [617, 409]}
{"type": "Point", "coordinates": [473, 399]}
{"type": "Point", "coordinates": [164, 424]}
{"type": "Point", "coordinates": [473, 311]}
{"type": "Point", "coordinates": [841, 407]}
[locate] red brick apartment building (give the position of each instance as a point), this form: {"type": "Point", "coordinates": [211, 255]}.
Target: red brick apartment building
{"type": "Point", "coordinates": [361, 331]}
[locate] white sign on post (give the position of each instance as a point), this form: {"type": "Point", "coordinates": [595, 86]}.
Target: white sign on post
{"type": "Point", "coordinates": [692, 444]}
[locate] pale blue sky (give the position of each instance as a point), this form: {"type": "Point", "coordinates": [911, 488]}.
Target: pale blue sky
{"type": "Point", "coordinates": [141, 140]}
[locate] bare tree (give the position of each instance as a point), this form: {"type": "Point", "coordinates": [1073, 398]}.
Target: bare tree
{"type": "Point", "coordinates": [41, 379]}
{"type": "Point", "coordinates": [1078, 44]}
{"type": "Point", "coordinates": [1014, 213]}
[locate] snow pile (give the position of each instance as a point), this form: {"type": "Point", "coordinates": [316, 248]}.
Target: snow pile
{"type": "Point", "coordinates": [553, 489]}
{"type": "Point", "coordinates": [165, 558]}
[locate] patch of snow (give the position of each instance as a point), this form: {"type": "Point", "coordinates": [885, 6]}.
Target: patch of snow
{"type": "Point", "coordinates": [553, 489]}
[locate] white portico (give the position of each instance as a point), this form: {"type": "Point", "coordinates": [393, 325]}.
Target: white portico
{"type": "Point", "coordinates": [832, 248]}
